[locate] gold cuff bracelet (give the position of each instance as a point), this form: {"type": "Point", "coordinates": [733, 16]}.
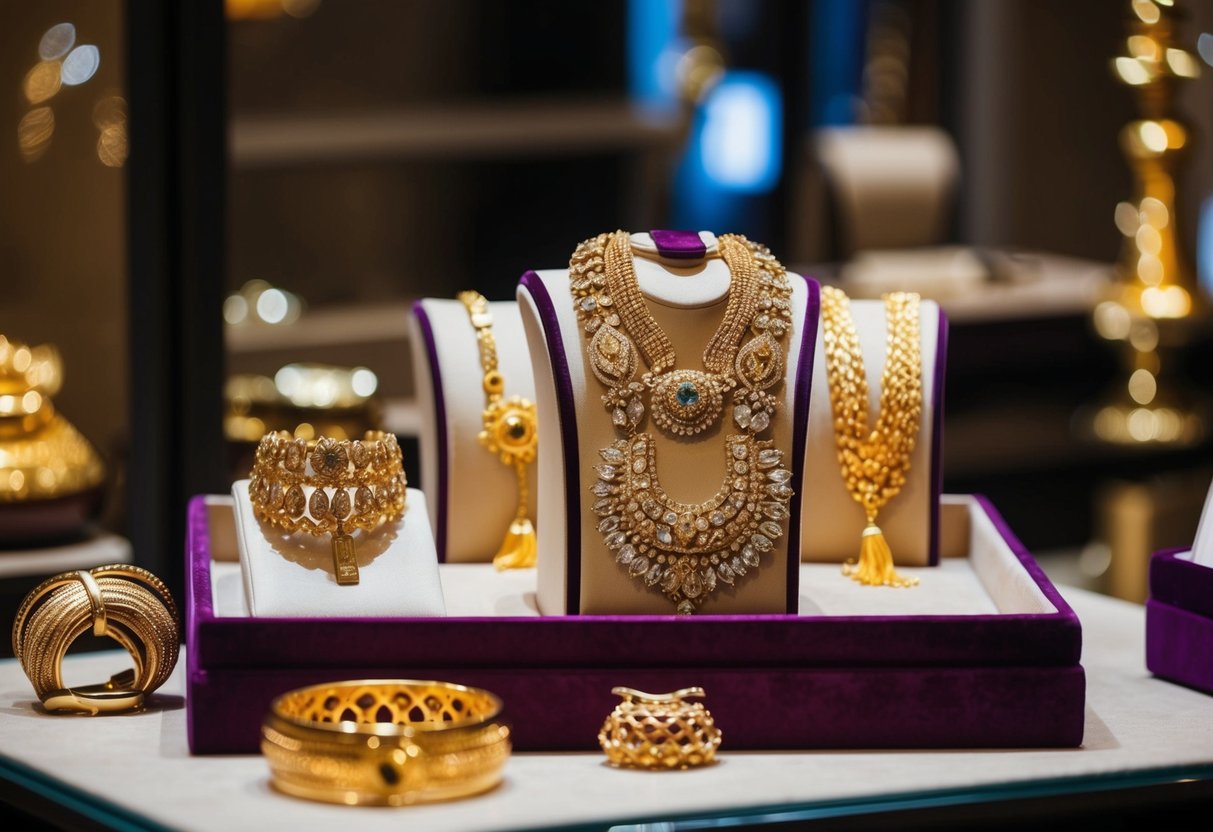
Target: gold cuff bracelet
{"type": "Point", "coordinates": [385, 742]}
{"type": "Point", "coordinates": [354, 485]}
{"type": "Point", "coordinates": [126, 603]}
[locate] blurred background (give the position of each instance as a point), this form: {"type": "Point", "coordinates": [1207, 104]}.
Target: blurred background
{"type": "Point", "coordinates": [221, 213]}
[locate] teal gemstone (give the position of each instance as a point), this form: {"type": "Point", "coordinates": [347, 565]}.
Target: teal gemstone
{"type": "Point", "coordinates": [687, 394]}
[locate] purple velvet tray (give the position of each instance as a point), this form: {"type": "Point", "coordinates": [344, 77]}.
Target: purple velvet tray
{"type": "Point", "coordinates": [1179, 620]}
{"type": "Point", "coordinates": [774, 681]}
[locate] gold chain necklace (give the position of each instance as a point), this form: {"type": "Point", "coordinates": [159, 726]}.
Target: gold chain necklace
{"type": "Point", "coordinates": [686, 550]}
{"type": "Point", "coordinates": [509, 433]}
{"type": "Point", "coordinates": [874, 462]}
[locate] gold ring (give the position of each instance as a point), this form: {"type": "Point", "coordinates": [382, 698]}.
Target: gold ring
{"type": "Point", "coordinates": [385, 742]}
{"type": "Point", "coordinates": [354, 485]}
{"type": "Point", "coordinates": [126, 603]}
{"type": "Point", "coordinates": [659, 731]}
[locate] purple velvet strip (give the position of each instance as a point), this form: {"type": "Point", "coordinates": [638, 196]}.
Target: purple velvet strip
{"type": "Point", "coordinates": [800, 433]}
{"type": "Point", "coordinates": [679, 245]}
{"type": "Point", "coordinates": [440, 426]}
{"type": "Point", "coordinates": [941, 363]}
{"type": "Point", "coordinates": [1181, 583]}
{"type": "Point", "coordinates": [199, 604]}
{"type": "Point", "coordinates": [568, 432]}
{"type": "Point", "coordinates": [1179, 645]}
{"type": "Point", "coordinates": [834, 707]}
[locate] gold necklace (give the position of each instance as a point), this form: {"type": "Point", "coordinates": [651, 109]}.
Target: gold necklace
{"type": "Point", "coordinates": [686, 550]}
{"type": "Point", "coordinates": [509, 433]}
{"type": "Point", "coordinates": [874, 462]}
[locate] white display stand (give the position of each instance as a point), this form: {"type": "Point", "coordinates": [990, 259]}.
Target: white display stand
{"type": "Point", "coordinates": [456, 470]}
{"type": "Point", "coordinates": [291, 575]}
{"type": "Point", "coordinates": [831, 521]}
{"type": "Point", "coordinates": [1202, 546]}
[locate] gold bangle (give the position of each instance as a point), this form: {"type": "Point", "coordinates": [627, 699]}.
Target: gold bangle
{"type": "Point", "coordinates": [385, 742]}
{"type": "Point", "coordinates": [354, 485]}
{"type": "Point", "coordinates": [659, 731]}
{"type": "Point", "coordinates": [126, 603]}
{"type": "Point", "coordinates": [510, 433]}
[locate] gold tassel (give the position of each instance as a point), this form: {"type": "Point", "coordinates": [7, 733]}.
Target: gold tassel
{"type": "Point", "coordinates": [519, 547]}
{"type": "Point", "coordinates": [875, 566]}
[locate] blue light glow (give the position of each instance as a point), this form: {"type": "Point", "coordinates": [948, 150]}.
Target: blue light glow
{"type": "Point", "coordinates": [742, 137]}
{"type": "Point", "coordinates": [1204, 246]}
{"type": "Point", "coordinates": [652, 51]}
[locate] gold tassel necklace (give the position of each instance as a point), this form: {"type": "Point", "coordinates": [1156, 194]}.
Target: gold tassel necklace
{"type": "Point", "coordinates": [509, 432]}
{"type": "Point", "coordinates": [874, 462]}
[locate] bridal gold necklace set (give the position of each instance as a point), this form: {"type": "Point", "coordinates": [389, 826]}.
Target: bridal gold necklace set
{"type": "Point", "coordinates": [686, 551]}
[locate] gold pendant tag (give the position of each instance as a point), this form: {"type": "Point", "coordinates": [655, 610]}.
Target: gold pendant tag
{"type": "Point", "coordinates": [345, 561]}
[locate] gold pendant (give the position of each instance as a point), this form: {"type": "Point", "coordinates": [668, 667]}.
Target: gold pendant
{"type": "Point", "coordinates": [345, 559]}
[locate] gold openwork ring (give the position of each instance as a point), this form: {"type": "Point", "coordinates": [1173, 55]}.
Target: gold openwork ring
{"type": "Point", "coordinates": [385, 742]}
{"type": "Point", "coordinates": [659, 731]}
{"type": "Point", "coordinates": [126, 603]}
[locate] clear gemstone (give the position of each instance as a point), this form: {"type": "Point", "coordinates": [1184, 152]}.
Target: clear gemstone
{"type": "Point", "coordinates": [615, 539]}
{"type": "Point", "coordinates": [779, 491]}
{"type": "Point", "coordinates": [638, 566]}
{"type": "Point", "coordinates": [663, 535]}
{"type": "Point", "coordinates": [670, 517]}
{"type": "Point", "coordinates": [750, 557]}
{"type": "Point", "coordinates": [642, 483]}
{"type": "Point", "coordinates": [776, 511]}
{"type": "Point", "coordinates": [601, 488]}
{"type": "Point", "coordinates": [740, 467]}
{"type": "Point", "coordinates": [771, 530]}
{"type": "Point", "coordinates": [652, 508]}
{"type": "Point", "coordinates": [769, 457]}
{"type": "Point", "coordinates": [761, 542]}
{"type": "Point", "coordinates": [741, 415]}
{"type": "Point", "coordinates": [639, 464]}
{"type": "Point", "coordinates": [717, 518]}
{"type": "Point", "coordinates": [701, 523]}
{"type": "Point", "coordinates": [737, 500]}
{"type": "Point", "coordinates": [613, 455]}
{"type": "Point", "coordinates": [708, 576]}
{"type": "Point", "coordinates": [759, 421]}
{"type": "Point", "coordinates": [635, 411]}
{"type": "Point", "coordinates": [670, 582]}
{"type": "Point", "coordinates": [654, 575]}
{"type": "Point", "coordinates": [780, 475]}
{"type": "Point", "coordinates": [618, 417]}
{"type": "Point", "coordinates": [607, 472]}
{"type": "Point", "coordinates": [692, 585]}
{"type": "Point", "coordinates": [725, 573]}
{"type": "Point", "coordinates": [589, 304]}
{"type": "Point", "coordinates": [603, 506]}
{"type": "Point", "coordinates": [686, 608]}
{"type": "Point", "coordinates": [737, 566]}
{"type": "Point", "coordinates": [739, 451]}
{"type": "Point", "coordinates": [626, 554]}
{"type": "Point", "coordinates": [608, 524]}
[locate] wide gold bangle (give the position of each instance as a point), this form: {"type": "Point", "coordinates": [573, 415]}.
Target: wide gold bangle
{"type": "Point", "coordinates": [385, 742]}
{"type": "Point", "coordinates": [126, 603]}
{"type": "Point", "coordinates": [352, 485]}
{"type": "Point", "coordinates": [659, 731]}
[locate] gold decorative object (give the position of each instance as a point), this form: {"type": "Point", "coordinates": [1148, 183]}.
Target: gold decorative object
{"type": "Point", "coordinates": [313, 399]}
{"type": "Point", "coordinates": [659, 731]}
{"type": "Point", "coordinates": [352, 485]}
{"type": "Point", "coordinates": [1157, 307]}
{"type": "Point", "coordinates": [509, 433]}
{"type": "Point", "coordinates": [126, 603]}
{"type": "Point", "coordinates": [385, 743]}
{"type": "Point", "coordinates": [685, 551]}
{"type": "Point", "coordinates": [874, 460]}
{"type": "Point", "coordinates": [42, 457]}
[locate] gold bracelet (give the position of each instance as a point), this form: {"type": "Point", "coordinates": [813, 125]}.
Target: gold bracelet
{"type": "Point", "coordinates": [509, 432]}
{"type": "Point", "coordinates": [385, 742]}
{"type": "Point", "coordinates": [659, 731]}
{"type": "Point", "coordinates": [370, 468]}
{"type": "Point", "coordinates": [126, 603]}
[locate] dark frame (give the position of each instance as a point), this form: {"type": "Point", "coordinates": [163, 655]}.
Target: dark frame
{"type": "Point", "coordinates": [176, 190]}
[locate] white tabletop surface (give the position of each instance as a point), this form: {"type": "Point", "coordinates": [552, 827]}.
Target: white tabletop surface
{"type": "Point", "coordinates": [1134, 724]}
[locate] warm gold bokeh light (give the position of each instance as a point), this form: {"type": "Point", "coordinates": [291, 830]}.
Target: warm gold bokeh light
{"type": "Point", "coordinates": [34, 133]}
{"type": "Point", "coordinates": [42, 82]}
